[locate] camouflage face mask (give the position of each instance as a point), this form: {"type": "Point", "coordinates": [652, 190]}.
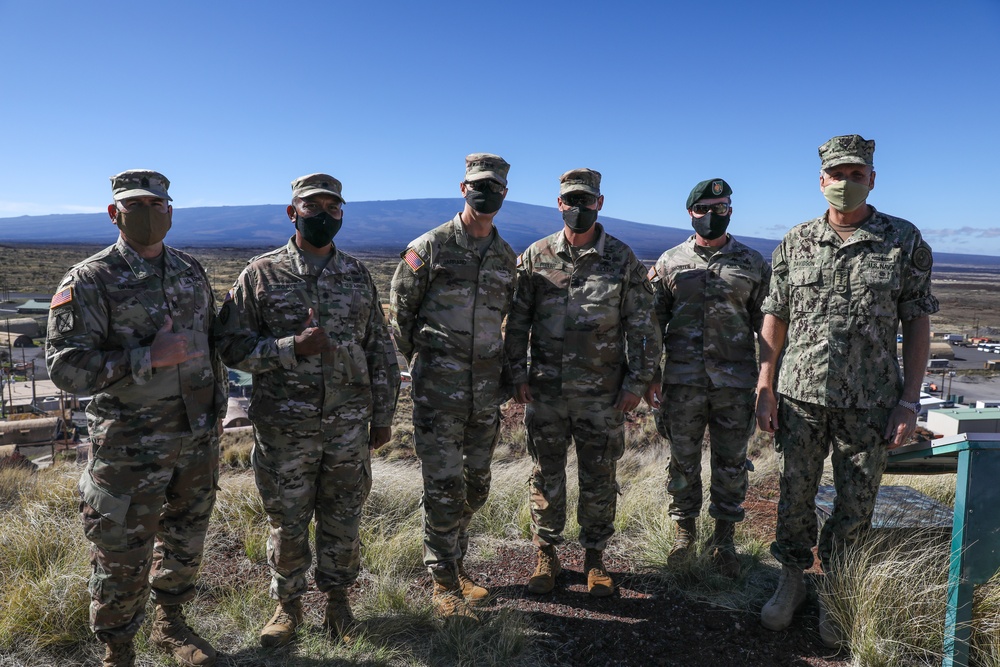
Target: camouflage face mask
{"type": "Point", "coordinates": [846, 196]}
{"type": "Point", "coordinates": [144, 225]}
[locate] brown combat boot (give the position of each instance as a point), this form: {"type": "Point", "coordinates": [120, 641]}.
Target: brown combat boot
{"type": "Point", "coordinates": [599, 582]}
{"type": "Point", "coordinates": [451, 605]}
{"type": "Point", "coordinates": [548, 568]}
{"type": "Point", "coordinates": [685, 536]}
{"type": "Point", "coordinates": [788, 597]}
{"type": "Point", "coordinates": [172, 633]}
{"type": "Point", "coordinates": [724, 549]}
{"type": "Point", "coordinates": [338, 619]}
{"type": "Point", "coordinates": [119, 654]}
{"type": "Point", "coordinates": [281, 628]}
{"type": "Point", "coordinates": [473, 593]}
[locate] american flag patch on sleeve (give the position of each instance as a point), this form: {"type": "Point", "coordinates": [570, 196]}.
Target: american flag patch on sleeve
{"type": "Point", "coordinates": [413, 260]}
{"type": "Point", "coordinates": [652, 273]}
{"type": "Point", "coordinates": [62, 298]}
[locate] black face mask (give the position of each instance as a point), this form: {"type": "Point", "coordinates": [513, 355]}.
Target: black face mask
{"type": "Point", "coordinates": [710, 226]}
{"type": "Point", "coordinates": [319, 230]}
{"type": "Point", "coordinates": [580, 219]}
{"type": "Point", "coordinates": [484, 202]}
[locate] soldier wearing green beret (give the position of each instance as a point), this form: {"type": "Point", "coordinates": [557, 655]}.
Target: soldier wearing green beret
{"type": "Point", "coordinates": [131, 326]}
{"type": "Point", "coordinates": [842, 284]}
{"type": "Point", "coordinates": [709, 292]}
{"type": "Point", "coordinates": [583, 305]}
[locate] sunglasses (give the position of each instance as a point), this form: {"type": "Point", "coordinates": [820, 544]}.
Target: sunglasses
{"type": "Point", "coordinates": [718, 209]}
{"type": "Point", "coordinates": [579, 199]}
{"type": "Point", "coordinates": [485, 185]}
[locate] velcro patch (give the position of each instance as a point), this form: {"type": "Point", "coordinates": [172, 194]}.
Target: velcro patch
{"type": "Point", "coordinates": [62, 298]}
{"type": "Point", "coordinates": [64, 321]}
{"type": "Point", "coordinates": [922, 258]}
{"type": "Point", "coordinates": [413, 260]}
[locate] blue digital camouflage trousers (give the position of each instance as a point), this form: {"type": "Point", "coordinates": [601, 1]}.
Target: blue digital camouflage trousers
{"type": "Point", "coordinates": [597, 430]}
{"type": "Point", "coordinates": [806, 434]}
{"type": "Point", "coordinates": [145, 507]}
{"type": "Point", "coordinates": [455, 452]}
{"type": "Point", "coordinates": [728, 413]}
{"type": "Point", "coordinates": [300, 474]}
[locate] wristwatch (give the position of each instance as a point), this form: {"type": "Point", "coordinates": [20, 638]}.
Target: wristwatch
{"type": "Point", "coordinates": [912, 407]}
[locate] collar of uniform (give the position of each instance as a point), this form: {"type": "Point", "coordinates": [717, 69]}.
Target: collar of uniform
{"type": "Point", "coordinates": [143, 268]}
{"type": "Point", "coordinates": [302, 266]}
{"type": "Point", "coordinates": [563, 247]}
{"type": "Point", "coordinates": [728, 247]}
{"type": "Point", "coordinates": [463, 239]}
{"type": "Point", "coordinates": [872, 229]}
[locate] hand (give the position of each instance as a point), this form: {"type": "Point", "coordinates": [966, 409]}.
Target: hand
{"type": "Point", "coordinates": [522, 393]}
{"type": "Point", "coordinates": [767, 410]}
{"type": "Point", "coordinates": [378, 436]}
{"type": "Point", "coordinates": [627, 401]}
{"type": "Point", "coordinates": [902, 423]}
{"type": "Point", "coordinates": [312, 340]}
{"type": "Point", "coordinates": [653, 396]}
{"type": "Point", "coordinates": [169, 348]}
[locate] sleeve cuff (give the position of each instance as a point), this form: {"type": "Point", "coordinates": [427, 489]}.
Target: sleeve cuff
{"type": "Point", "coordinates": [286, 352]}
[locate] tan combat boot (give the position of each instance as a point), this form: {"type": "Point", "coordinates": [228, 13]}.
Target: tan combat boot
{"type": "Point", "coordinates": [450, 604]}
{"type": "Point", "coordinates": [599, 582]}
{"type": "Point", "coordinates": [172, 633]}
{"type": "Point", "coordinates": [281, 628]}
{"type": "Point", "coordinates": [548, 568]}
{"type": "Point", "coordinates": [684, 538]}
{"type": "Point", "coordinates": [829, 629]}
{"type": "Point", "coordinates": [119, 654]}
{"type": "Point", "coordinates": [724, 550]}
{"type": "Point", "coordinates": [788, 597]}
{"type": "Point", "coordinates": [473, 593]}
{"type": "Point", "coordinates": [338, 619]}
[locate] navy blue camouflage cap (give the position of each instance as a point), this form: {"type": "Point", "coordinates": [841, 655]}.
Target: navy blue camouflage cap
{"type": "Point", "coordinates": [139, 183]}
{"type": "Point", "coordinates": [580, 180]}
{"type": "Point", "coordinates": [315, 184]}
{"type": "Point", "coordinates": [847, 149]}
{"type": "Point", "coordinates": [710, 189]}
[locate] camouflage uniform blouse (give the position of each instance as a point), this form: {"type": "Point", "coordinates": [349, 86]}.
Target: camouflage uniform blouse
{"type": "Point", "coordinates": [709, 310]}
{"type": "Point", "coordinates": [591, 322]}
{"type": "Point", "coordinates": [99, 339]}
{"type": "Point", "coordinates": [843, 301]}
{"type": "Point", "coordinates": [447, 308]}
{"type": "Point", "coordinates": [269, 306]}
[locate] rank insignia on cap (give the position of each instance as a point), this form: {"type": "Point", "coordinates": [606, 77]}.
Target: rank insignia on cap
{"type": "Point", "coordinates": [716, 188]}
{"type": "Point", "coordinates": [413, 260]}
{"type": "Point", "coordinates": [62, 298]}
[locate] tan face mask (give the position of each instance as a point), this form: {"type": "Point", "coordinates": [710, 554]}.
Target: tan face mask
{"type": "Point", "coordinates": [144, 225]}
{"type": "Point", "coordinates": [846, 196]}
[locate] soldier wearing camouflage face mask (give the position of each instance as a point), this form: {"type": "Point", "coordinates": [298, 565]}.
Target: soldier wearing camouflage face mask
{"type": "Point", "coordinates": [842, 285]}
{"type": "Point", "coordinates": [583, 301]}
{"type": "Point", "coordinates": [130, 326]}
{"type": "Point", "coordinates": [450, 294]}
{"type": "Point", "coordinates": [307, 321]}
{"type": "Point", "coordinates": [709, 291]}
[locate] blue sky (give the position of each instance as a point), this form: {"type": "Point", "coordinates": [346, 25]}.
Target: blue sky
{"type": "Point", "coordinates": [232, 100]}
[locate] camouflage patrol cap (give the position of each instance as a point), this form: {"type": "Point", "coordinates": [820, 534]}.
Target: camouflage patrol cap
{"type": "Point", "coordinates": [580, 180]}
{"type": "Point", "coordinates": [139, 183]}
{"type": "Point", "coordinates": [316, 184]}
{"type": "Point", "coordinates": [480, 166]}
{"type": "Point", "coordinates": [847, 149]}
{"type": "Point", "coordinates": [710, 189]}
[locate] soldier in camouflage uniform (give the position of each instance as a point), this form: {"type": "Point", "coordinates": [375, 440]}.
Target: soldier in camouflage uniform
{"type": "Point", "coordinates": [131, 326]}
{"type": "Point", "coordinates": [450, 294]}
{"type": "Point", "coordinates": [583, 301]}
{"type": "Point", "coordinates": [708, 293]}
{"type": "Point", "coordinates": [842, 285]}
{"type": "Point", "coordinates": [306, 320]}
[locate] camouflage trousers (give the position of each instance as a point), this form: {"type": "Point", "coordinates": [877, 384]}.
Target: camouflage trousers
{"type": "Point", "coordinates": [324, 473]}
{"type": "Point", "coordinates": [728, 413]}
{"type": "Point", "coordinates": [597, 430]}
{"type": "Point", "coordinates": [806, 434]}
{"type": "Point", "coordinates": [145, 508]}
{"type": "Point", "coordinates": [455, 452]}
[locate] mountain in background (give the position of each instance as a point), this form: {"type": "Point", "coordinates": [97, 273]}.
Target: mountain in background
{"type": "Point", "coordinates": [372, 226]}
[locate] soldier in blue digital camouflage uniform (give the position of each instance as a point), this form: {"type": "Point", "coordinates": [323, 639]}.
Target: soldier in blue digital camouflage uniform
{"type": "Point", "coordinates": [841, 286]}
{"type": "Point", "coordinates": [709, 291]}
{"type": "Point", "coordinates": [306, 320]}
{"type": "Point", "coordinates": [449, 297]}
{"type": "Point", "coordinates": [131, 326]}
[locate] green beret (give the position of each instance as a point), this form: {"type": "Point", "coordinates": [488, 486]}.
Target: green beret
{"type": "Point", "coordinates": [710, 189]}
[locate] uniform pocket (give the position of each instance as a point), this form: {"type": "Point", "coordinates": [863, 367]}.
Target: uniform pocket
{"type": "Point", "coordinates": [103, 515]}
